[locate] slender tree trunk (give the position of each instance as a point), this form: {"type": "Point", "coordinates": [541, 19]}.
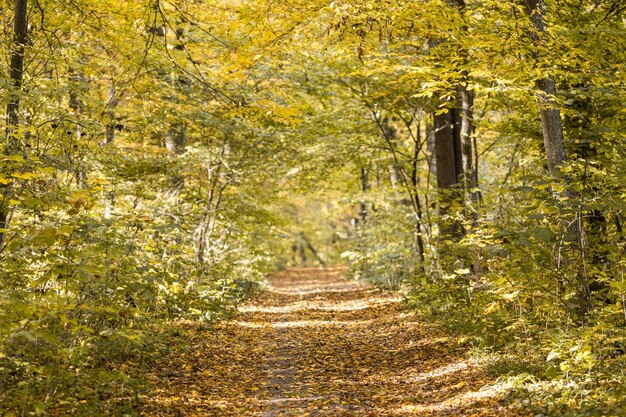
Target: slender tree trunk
{"type": "Point", "coordinates": [218, 178]}
{"type": "Point", "coordinates": [393, 177]}
{"type": "Point", "coordinates": [467, 140]}
{"type": "Point", "coordinates": [109, 139]}
{"type": "Point", "coordinates": [76, 105]}
{"type": "Point", "coordinates": [111, 104]}
{"type": "Point", "coordinates": [465, 102]}
{"type": "Point", "coordinates": [408, 180]}
{"type": "Point", "coordinates": [302, 253]}
{"type": "Point", "coordinates": [554, 143]}
{"type": "Point", "coordinates": [391, 135]}
{"type": "Point", "coordinates": [419, 239]}
{"type": "Point", "coordinates": [16, 75]}
{"type": "Point", "coordinates": [365, 186]}
{"type": "Point", "coordinates": [176, 134]}
{"type": "Point", "coordinates": [596, 239]}
{"type": "Point", "coordinates": [457, 141]}
{"type": "Point", "coordinates": [16, 72]}
{"type": "Point", "coordinates": [311, 248]}
{"type": "Point", "coordinates": [551, 123]}
{"type": "Point", "coordinates": [175, 141]}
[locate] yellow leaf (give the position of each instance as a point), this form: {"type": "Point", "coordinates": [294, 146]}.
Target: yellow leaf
{"type": "Point", "coordinates": [491, 308]}
{"type": "Point", "coordinates": [24, 175]}
{"type": "Point", "coordinates": [510, 296]}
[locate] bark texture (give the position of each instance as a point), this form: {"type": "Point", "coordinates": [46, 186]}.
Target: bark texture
{"type": "Point", "coordinates": [449, 161]}
{"type": "Point", "coordinates": [445, 151]}
{"type": "Point", "coordinates": [551, 125]}
{"type": "Point", "coordinates": [16, 74]}
{"type": "Point", "coordinates": [16, 70]}
{"type": "Point", "coordinates": [551, 122]}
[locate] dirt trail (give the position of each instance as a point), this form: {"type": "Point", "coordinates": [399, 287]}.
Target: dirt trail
{"type": "Point", "coordinates": [315, 344]}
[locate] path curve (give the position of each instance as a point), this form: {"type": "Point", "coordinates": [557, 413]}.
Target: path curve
{"type": "Point", "coordinates": [316, 344]}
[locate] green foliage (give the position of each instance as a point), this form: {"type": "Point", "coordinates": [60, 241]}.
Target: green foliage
{"type": "Point", "coordinates": [538, 261]}
{"type": "Point", "coordinates": [130, 202]}
{"type": "Point", "coordinates": [383, 249]}
{"type": "Point", "coordinates": [169, 154]}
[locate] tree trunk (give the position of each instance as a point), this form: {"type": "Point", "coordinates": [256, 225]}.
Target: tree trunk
{"type": "Point", "coordinates": [76, 105]}
{"type": "Point", "coordinates": [449, 161]}
{"type": "Point", "coordinates": [111, 104]}
{"type": "Point", "coordinates": [556, 155]}
{"type": "Point", "coordinates": [551, 123]}
{"type": "Point", "coordinates": [16, 72]}
{"type": "Point", "coordinates": [109, 139]}
{"type": "Point", "coordinates": [365, 186]}
{"type": "Point", "coordinates": [467, 136]}
{"type": "Point", "coordinates": [444, 151]}
{"type": "Point", "coordinates": [175, 141]}
{"type": "Point", "coordinates": [419, 239]}
{"type": "Point", "coordinates": [16, 75]}
{"type": "Point", "coordinates": [457, 142]}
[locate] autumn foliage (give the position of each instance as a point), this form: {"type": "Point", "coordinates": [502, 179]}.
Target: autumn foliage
{"type": "Point", "coordinates": [161, 158]}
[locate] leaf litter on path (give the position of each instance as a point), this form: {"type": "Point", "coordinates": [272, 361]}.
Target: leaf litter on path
{"type": "Point", "coordinates": [316, 344]}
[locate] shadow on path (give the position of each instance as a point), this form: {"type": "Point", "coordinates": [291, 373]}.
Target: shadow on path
{"type": "Point", "coordinates": [315, 344]}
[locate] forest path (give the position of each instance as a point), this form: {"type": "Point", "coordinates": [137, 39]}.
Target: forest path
{"type": "Point", "coordinates": [316, 344]}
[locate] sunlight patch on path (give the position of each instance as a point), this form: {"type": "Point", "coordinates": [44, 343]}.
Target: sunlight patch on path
{"type": "Point", "coordinates": [316, 344]}
{"type": "Point", "coordinates": [281, 400]}
{"type": "Point", "coordinates": [316, 290]}
{"type": "Point", "coordinates": [436, 373]}
{"type": "Point", "coordinates": [320, 306]}
{"type": "Point", "coordinates": [451, 404]}
{"type": "Point", "coordinates": [302, 323]}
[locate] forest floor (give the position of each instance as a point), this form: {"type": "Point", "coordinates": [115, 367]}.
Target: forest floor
{"type": "Point", "coordinates": [316, 344]}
